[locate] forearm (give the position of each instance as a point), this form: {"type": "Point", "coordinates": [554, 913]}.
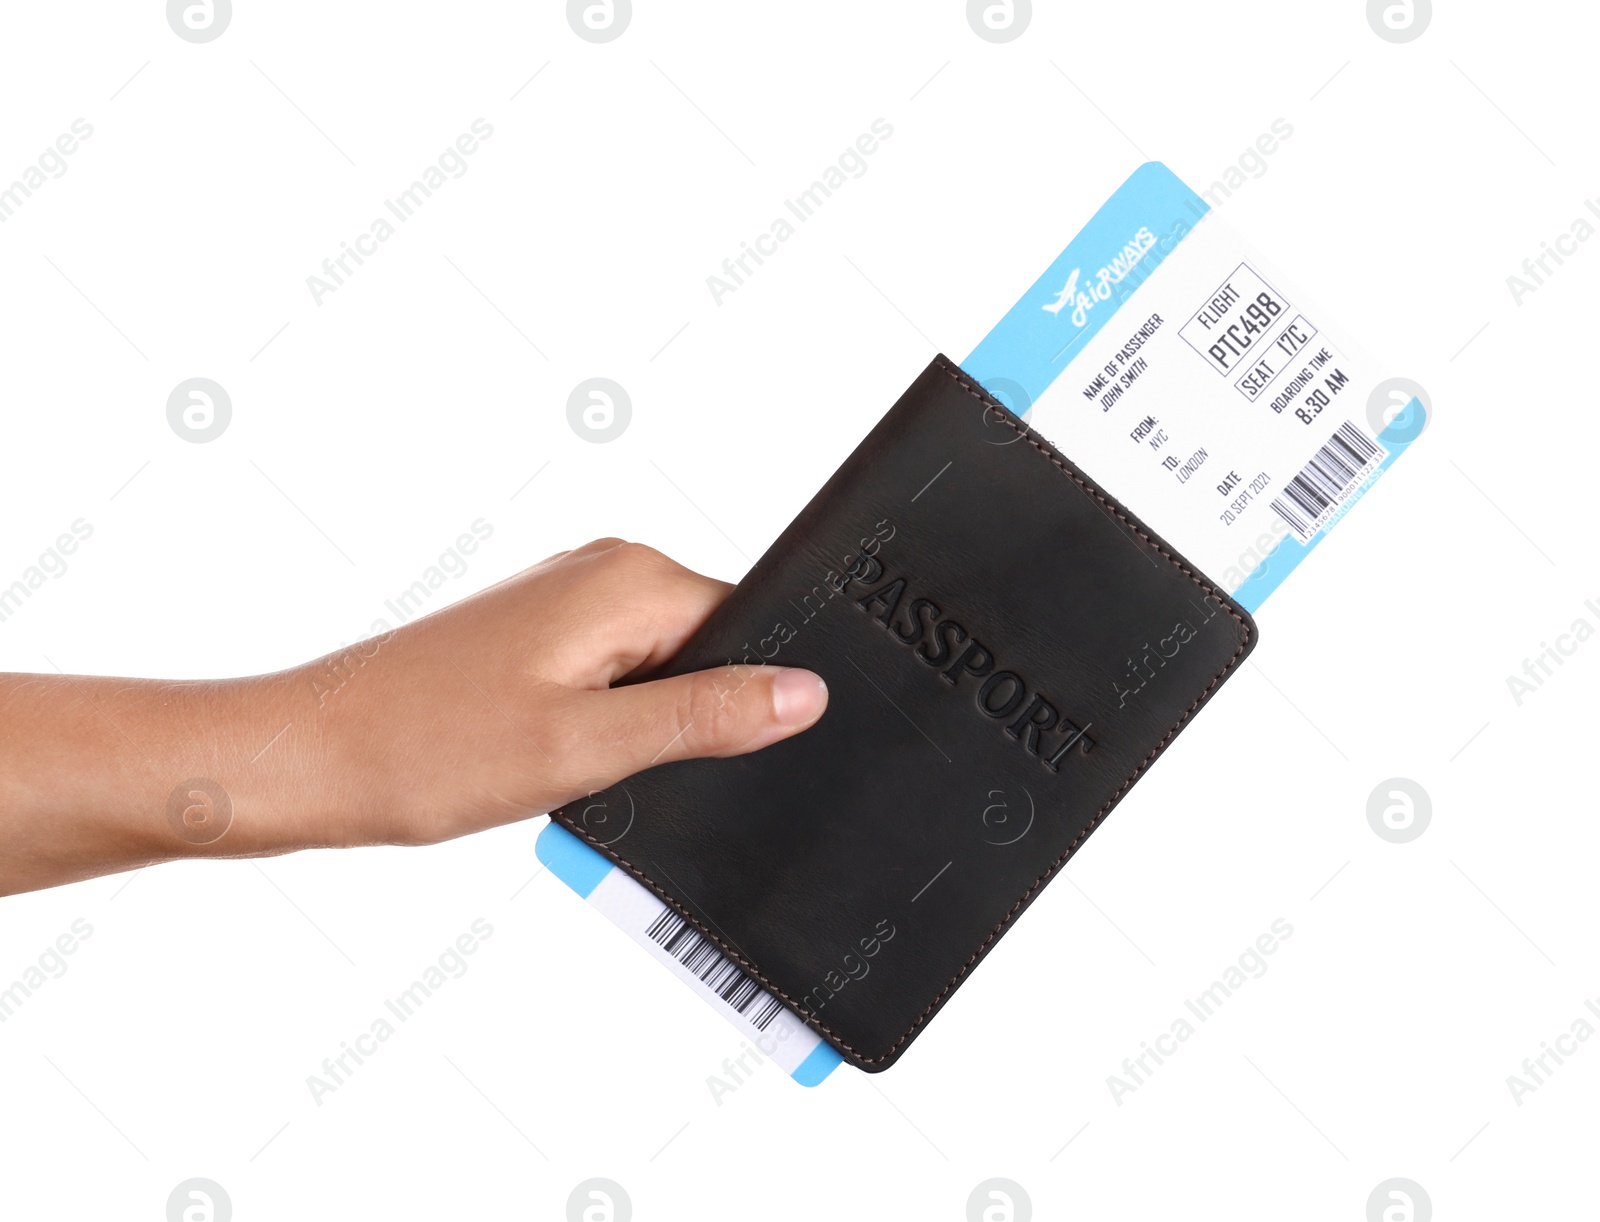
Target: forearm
{"type": "Point", "coordinates": [490, 710]}
{"type": "Point", "coordinates": [101, 775]}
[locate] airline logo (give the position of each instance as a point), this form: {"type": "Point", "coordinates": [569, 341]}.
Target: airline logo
{"type": "Point", "coordinates": [1099, 288]}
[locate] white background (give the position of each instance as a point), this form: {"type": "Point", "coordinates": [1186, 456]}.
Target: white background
{"type": "Point", "coordinates": [372, 429]}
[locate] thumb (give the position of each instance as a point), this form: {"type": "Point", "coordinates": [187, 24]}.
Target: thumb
{"type": "Point", "coordinates": [729, 710]}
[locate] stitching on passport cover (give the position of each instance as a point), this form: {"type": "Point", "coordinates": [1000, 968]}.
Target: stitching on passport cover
{"type": "Point", "coordinates": [954, 372]}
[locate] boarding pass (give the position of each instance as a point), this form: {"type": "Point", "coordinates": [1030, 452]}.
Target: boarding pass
{"type": "Point", "coordinates": [1200, 388]}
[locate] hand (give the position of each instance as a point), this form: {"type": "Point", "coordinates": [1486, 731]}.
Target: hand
{"type": "Point", "coordinates": [501, 706]}
{"type": "Point", "coordinates": [491, 710]}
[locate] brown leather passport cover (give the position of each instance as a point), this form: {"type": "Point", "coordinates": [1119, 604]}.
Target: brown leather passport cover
{"type": "Point", "coordinates": [1006, 649]}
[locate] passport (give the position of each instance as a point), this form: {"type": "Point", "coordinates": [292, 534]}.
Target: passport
{"type": "Point", "coordinates": [1007, 650]}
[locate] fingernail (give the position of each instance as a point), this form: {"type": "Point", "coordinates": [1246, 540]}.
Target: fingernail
{"type": "Point", "coordinates": [798, 697]}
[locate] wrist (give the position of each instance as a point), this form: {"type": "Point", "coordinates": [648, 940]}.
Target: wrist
{"type": "Point", "coordinates": [234, 769]}
{"type": "Point", "coordinates": [306, 767]}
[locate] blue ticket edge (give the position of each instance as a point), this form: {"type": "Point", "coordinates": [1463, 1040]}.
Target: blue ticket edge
{"type": "Point", "coordinates": [582, 869]}
{"type": "Point", "coordinates": [1023, 353]}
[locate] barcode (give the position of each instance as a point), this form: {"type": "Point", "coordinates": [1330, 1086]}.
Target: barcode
{"type": "Point", "coordinates": [721, 974]}
{"type": "Point", "coordinates": [1325, 481]}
